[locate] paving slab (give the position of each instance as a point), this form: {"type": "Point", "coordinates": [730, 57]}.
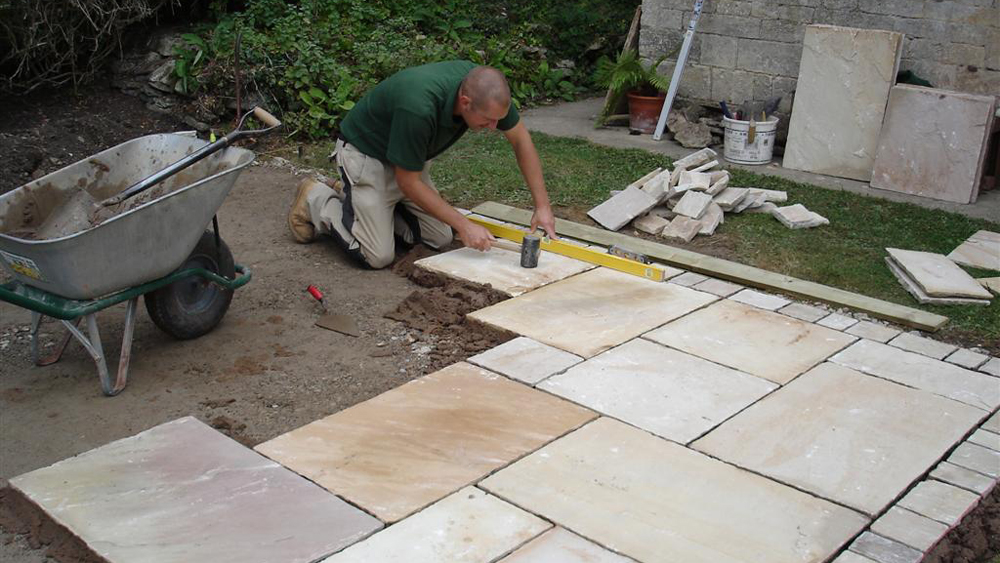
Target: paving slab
{"type": "Point", "coordinates": [856, 440]}
{"type": "Point", "coordinates": [967, 358]}
{"type": "Point", "coordinates": [656, 501]}
{"type": "Point", "coordinates": [920, 295]}
{"type": "Point", "coordinates": [501, 268]}
{"type": "Point", "coordinates": [752, 340]}
{"type": "Point", "coordinates": [872, 331]}
{"type": "Point", "coordinates": [961, 477]}
{"type": "Point", "coordinates": [774, 196]}
{"type": "Point", "coordinates": [798, 217]}
{"type": "Point", "coordinates": [909, 528]}
{"type": "Point", "coordinates": [525, 360]}
{"type": "Point", "coordinates": [559, 545]}
{"type": "Point", "coordinates": [836, 321]}
{"type": "Point", "coordinates": [718, 186]}
{"type": "Point", "coordinates": [977, 458]}
{"type": "Point", "coordinates": [921, 372]}
{"type": "Point", "coordinates": [993, 423]}
{"type": "Point", "coordinates": [804, 312]}
{"type": "Point", "coordinates": [683, 228]}
{"type": "Point", "coordinates": [986, 439]}
{"type": "Point", "coordinates": [182, 491]}
{"type": "Point", "coordinates": [444, 431]}
{"type": "Point", "coordinates": [650, 224]}
{"type": "Point", "coordinates": [695, 159]}
{"type": "Point", "coordinates": [728, 198]}
{"type": "Point", "coordinates": [884, 550]}
{"type": "Point", "coordinates": [851, 557]}
{"type": "Point", "coordinates": [693, 204]}
{"type": "Point", "coordinates": [697, 180]}
{"type": "Point", "coordinates": [760, 299]}
{"type": "Point", "coordinates": [992, 367]}
{"type": "Point", "coordinates": [711, 219]}
{"type": "Point", "coordinates": [469, 526]}
{"type": "Point", "coordinates": [594, 311]}
{"type": "Point", "coordinates": [669, 393]}
{"type": "Point", "coordinates": [621, 208]}
{"type": "Point", "coordinates": [933, 143]}
{"type": "Point", "coordinates": [981, 250]}
{"type": "Point", "coordinates": [688, 279]}
{"type": "Point", "coordinates": [992, 284]}
{"type": "Point", "coordinates": [921, 345]}
{"type": "Point", "coordinates": [937, 275]}
{"type": "Point", "coordinates": [718, 287]}
{"type": "Point", "coordinates": [939, 501]}
{"type": "Point", "coordinates": [843, 86]}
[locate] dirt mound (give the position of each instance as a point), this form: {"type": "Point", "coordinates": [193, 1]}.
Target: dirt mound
{"type": "Point", "coordinates": [976, 539]}
{"type": "Point", "coordinates": [20, 516]}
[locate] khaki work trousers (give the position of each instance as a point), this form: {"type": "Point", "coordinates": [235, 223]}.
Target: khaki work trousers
{"type": "Point", "coordinates": [372, 209]}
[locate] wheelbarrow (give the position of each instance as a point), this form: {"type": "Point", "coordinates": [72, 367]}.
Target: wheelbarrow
{"type": "Point", "coordinates": [130, 221]}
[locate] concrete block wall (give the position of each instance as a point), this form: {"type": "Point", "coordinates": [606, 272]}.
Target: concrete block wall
{"type": "Point", "coordinates": [750, 49]}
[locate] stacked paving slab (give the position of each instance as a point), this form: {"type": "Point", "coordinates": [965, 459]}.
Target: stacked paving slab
{"type": "Point", "coordinates": [694, 420]}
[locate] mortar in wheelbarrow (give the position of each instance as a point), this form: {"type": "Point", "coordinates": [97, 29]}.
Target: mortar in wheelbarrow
{"type": "Point", "coordinates": [148, 237]}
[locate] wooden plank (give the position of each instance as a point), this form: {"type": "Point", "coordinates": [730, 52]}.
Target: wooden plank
{"type": "Point", "coordinates": [728, 270]}
{"type": "Point", "coordinates": [631, 43]}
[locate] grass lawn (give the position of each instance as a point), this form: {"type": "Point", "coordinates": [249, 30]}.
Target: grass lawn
{"type": "Point", "coordinates": [848, 253]}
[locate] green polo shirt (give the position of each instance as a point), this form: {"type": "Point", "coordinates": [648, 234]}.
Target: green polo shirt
{"type": "Point", "coordinates": [407, 119]}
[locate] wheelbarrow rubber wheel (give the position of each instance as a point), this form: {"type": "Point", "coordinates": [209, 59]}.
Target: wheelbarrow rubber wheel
{"type": "Point", "coordinates": [191, 307]}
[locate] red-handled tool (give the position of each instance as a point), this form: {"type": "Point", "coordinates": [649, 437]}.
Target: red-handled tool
{"type": "Point", "coordinates": [318, 296]}
{"type": "Point", "coordinates": [333, 321]}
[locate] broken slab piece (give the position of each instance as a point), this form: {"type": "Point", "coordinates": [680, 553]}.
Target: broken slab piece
{"type": "Point", "coordinates": [937, 275]}
{"type": "Point", "coordinates": [981, 250]}
{"type": "Point", "coordinates": [718, 186]}
{"type": "Point", "coordinates": [659, 186]}
{"type": "Point", "coordinates": [649, 223]}
{"type": "Point", "coordinates": [681, 227]}
{"type": "Point", "coordinates": [918, 293]}
{"type": "Point", "coordinates": [711, 219]}
{"type": "Point", "coordinates": [695, 180]}
{"type": "Point", "coordinates": [642, 181]}
{"type": "Point", "coordinates": [798, 217]}
{"type": "Point", "coordinates": [933, 143]}
{"type": "Point", "coordinates": [693, 204]}
{"type": "Point", "coordinates": [750, 201]}
{"type": "Point", "coordinates": [617, 211]}
{"type": "Point", "coordinates": [706, 167]}
{"type": "Point", "coordinates": [777, 196]}
{"type": "Point", "coordinates": [728, 198]}
{"type": "Point", "coordinates": [696, 158]}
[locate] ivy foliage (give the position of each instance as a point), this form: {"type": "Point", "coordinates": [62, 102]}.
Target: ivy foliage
{"type": "Point", "coordinates": [311, 60]}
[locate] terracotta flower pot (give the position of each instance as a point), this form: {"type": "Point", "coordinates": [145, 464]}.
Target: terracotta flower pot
{"type": "Point", "coordinates": [644, 112]}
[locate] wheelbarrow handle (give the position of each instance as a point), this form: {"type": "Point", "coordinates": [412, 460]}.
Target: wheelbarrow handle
{"type": "Point", "coordinates": [263, 115]}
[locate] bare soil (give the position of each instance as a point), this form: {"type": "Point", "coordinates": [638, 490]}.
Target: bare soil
{"type": "Point", "coordinates": [266, 369]}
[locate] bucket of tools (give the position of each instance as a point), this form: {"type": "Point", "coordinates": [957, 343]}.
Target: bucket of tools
{"type": "Point", "coordinates": [749, 142]}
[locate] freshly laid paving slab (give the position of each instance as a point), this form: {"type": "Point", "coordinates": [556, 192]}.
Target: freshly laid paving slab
{"type": "Point", "coordinates": [760, 299]}
{"type": "Point", "coordinates": [468, 526]}
{"type": "Point", "coordinates": [758, 342]}
{"type": "Point", "coordinates": [937, 275]}
{"type": "Point", "coordinates": [993, 423]}
{"type": "Point", "coordinates": [992, 367]}
{"type": "Point", "coordinates": [525, 360]}
{"type": "Point", "coordinates": [803, 312]}
{"type": "Point", "coordinates": [718, 287]}
{"type": "Point", "coordinates": [915, 370]}
{"type": "Point", "coordinates": [939, 501]}
{"type": "Point", "coordinates": [856, 439]}
{"type": "Point", "coordinates": [885, 550]}
{"type": "Point", "coordinates": [182, 491]}
{"type": "Point", "coordinates": [977, 458]}
{"type": "Point", "coordinates": [961, 477]}
{"type": "Point", "coordinates": [967, 358]}
{"type": "Point", "coordinates": [591, 312]}
{"type": "Point", "coordinates": [910, 528]}
{"type": "Point", "coordinates": [559, 545]}
{"type": "Point", "coordinates": [408, 447]}
{"type": "Point", "coordinates": [664, 391]}
{"type": "Point", "coordinates": [836, 321]}
{"type": "Point", "coordinates": [851, 557]}
{"type": "Point", "coordinates": [981, 250]}
{"type": "Point", "coordinates": [921, 345]}
{"type": "Point", "coordinates": [502, 269]}
{"type": "Point", "coordinates": [872, 331]}
{"type": "Point", "coordinates": [986, 439]}
{"type": "Point", "coordinates": [688, 279]}
{"type": "Point", "coordinates": [657, 501]}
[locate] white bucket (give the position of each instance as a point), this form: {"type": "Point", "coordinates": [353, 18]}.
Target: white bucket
{"type": "Point", "coordinates": [740, 149]}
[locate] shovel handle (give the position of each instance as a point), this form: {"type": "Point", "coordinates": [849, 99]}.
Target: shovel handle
{"type": "Point", "coordinates": [265, 117]}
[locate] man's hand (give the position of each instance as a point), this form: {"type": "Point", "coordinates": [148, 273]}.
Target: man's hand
{"type": "Point", "coordinates": [476, 236]}
{"type": "Point", "coordinates": [542, 217]}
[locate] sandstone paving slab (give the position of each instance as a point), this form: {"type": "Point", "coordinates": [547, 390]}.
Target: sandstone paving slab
{"type": "Point", "coordinates": [559, 545]}
{"type": "Point", "coordinates": [798, 217]}
{"type": "Point", "coordinates": [919, 344]}
{"type": "Point", "coordinates": [872, 331]}
{"type": "Point", "coordinates": [981, 250]}
{"type": "Point", "coordinates": [752, 340]}
{"type": "Point", "coordinates": [977, 458]}
{"type": "Point", "coordinates": [803, 312]}
{"type": "Point", "coordinates": [967, 358]}
{"type": "Point", "coordinates": [993, 423]}
{"type": "Point", "coordinates": [992, 367]}
{"type": "Point", "coordinates": [469, 526]}
{"type": "Point", "coordinates": [667, 392]}
{"type": "Point", "coordinates": [836, 321]}
{"type": "Point", "coordinates": [688, 279]}
{"type": "Point", "coordinates": [921, 296]}
{"type": "Point", "coordinates": [937, 275]}
{"type": "Point", "coordinates": [656, 501]}
{"type": "Point", "coordinates": [992, 284]}
{"type": "Point", "coordinates": [501, 268]}
{"type": "Point", "coordinates": [406, 448]}
{"type": "Point", "coordinates": [843, 85]}
{"type": "Point", "coordinates": [856, 440]}
{"type": "Point", "coordinates": [718, 287]}
{"type": "Point", "coordinates": [760, 299]}
{"type": "Point", "coordinates": [594, 311]}
{"type": "Point", "coordinates": [921, 372]}
{"type": "Point", "coordinates": [693, 204]}
{"type": "Point", "coordinates": [986, 439]}
{"type": "Point", "coordinates": [182, 491]}
{"type": "Point", "coordinates": [851, 557]}
{"type": "Point", "coordinates": [884, 550]}
{"type": "Point", "coordinates": [961, 477]}
{"type": "Point", "coordinates": [910, 528]}
{"type": "Point", "coordinates": [681, 227]}
{"type": "Point", "coordinates": [621, 208]}
{"type": "Point", "coordinates": [939, 501]}
{"type": "Point", "coordinates": [525, 360]}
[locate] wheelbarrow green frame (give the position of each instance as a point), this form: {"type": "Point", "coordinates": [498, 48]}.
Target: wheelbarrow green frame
{"type": "Point", "coordinates": [69, 312]}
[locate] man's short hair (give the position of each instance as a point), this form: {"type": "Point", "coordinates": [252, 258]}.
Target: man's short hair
{"type": "Point", "coordinates": [486, 86]}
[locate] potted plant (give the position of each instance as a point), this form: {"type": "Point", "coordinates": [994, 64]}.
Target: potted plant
{"type": "Point", "coordinates": [644, 87]}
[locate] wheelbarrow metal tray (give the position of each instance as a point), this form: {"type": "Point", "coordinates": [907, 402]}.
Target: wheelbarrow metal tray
{"type": "Point", "coordinates": [147, 242]}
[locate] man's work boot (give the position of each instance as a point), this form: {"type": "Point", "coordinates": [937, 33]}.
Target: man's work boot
{"type": "Point", "coordinates": [299, 218]}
